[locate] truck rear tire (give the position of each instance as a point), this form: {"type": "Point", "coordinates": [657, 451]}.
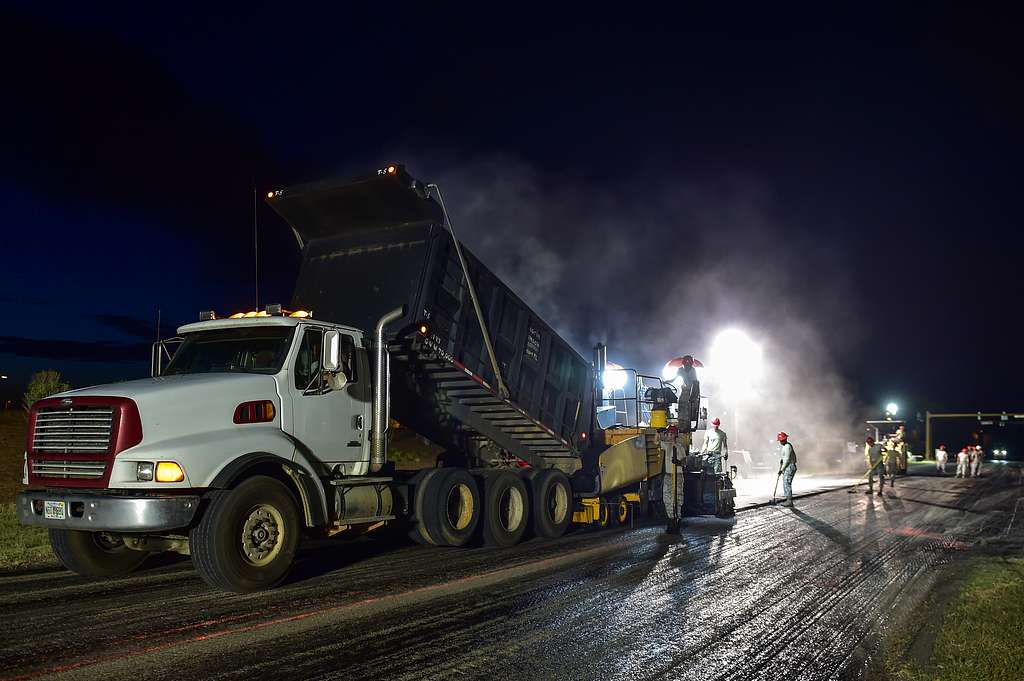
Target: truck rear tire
{"type": "Point", "coordinates": [450, 507]}
{"type": "Point", "coordinates": [418, 531]}
{"type": "Point", "coordinates": [94, 554]}
{"type": "Point", "coordinates": [506, 508]}
{"type": "Point", "coordinates": [248, 536]}
{"type": "Point", "coordinates": [551, 503]}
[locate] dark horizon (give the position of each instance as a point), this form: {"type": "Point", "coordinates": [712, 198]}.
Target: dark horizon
{"type": "Point", "coordinates": [843, 184]}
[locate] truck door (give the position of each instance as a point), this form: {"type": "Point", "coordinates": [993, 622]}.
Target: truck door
{"type": "Point", "coordinates": [328, 421]}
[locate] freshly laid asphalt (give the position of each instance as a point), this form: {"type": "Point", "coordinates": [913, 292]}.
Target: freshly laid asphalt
{"type": "Point", "coordinates": [771, 594]}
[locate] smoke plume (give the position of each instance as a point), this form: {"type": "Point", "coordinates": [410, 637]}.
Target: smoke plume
{"type": "Point", "coordinates": [656, 268]}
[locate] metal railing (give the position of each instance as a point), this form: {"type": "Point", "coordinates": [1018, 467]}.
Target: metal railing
{"type": "Point", "coordinates": [632, 409]}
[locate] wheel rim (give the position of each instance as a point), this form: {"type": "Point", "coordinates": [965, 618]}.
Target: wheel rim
{"type": "Point", "coordinates": [511, 509]}
{"type": "Point", "coordinates": [460, 506]}
{"type": "Point", "coordinates": [558, 503]}
{"type": "Point", "coordinates": [623, 510]}
{"type": "Point", "coordinates": [263, 535]}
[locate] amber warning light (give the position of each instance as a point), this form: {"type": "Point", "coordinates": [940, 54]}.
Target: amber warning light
{"type": "Point", "coordinates": [423, 329]}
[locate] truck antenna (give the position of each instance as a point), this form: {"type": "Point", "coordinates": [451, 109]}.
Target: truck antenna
{"type": "Point", "coordinates": [256, 244]}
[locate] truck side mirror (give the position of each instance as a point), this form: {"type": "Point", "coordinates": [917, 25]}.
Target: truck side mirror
{"type": "Point", "coordinates": [332, 352]}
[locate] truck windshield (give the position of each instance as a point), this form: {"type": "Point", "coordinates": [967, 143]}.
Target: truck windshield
{"type": "Point", "coordinates": [257, 350]}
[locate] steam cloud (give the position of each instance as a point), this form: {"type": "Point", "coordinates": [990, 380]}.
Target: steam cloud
{"type": "Point", "coordinates": [656, 270]}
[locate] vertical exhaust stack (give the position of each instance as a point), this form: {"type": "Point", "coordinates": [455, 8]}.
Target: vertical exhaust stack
{"type": "Point", "coordinates": [381, 393]}
{"type": "Point", "coordinates": [600, 364]}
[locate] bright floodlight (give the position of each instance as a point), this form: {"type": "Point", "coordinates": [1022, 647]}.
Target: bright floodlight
{"type": "Point", "coordinates": [892, 408]}
{"type": "Point", "coordinates": [736, 361]}
{"type": "Point", "coordinates": [669, 372]}
{"type": "Point", "coordinates": [614, 379]}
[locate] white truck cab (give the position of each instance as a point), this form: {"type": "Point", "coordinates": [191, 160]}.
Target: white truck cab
{"type": "Point", "coordinates": [125, 463]}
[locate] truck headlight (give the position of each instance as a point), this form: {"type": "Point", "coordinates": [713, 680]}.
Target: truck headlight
{"type": "Point", "coordinates": [168, 471]}
{"type": "Point", "coordinates": [144, 471]}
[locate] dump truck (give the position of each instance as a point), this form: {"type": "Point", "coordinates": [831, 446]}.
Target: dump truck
{"type": "Point", "coordinates": [269, 425]}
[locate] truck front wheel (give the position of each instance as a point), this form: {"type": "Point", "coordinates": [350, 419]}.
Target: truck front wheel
{"type": "Point", "coordinates": [248, 536]}
{"type": "Point", "coordinates": [94, 554]}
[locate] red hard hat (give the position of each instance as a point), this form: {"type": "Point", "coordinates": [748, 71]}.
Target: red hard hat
{"type": "Point", "coordinates": [716, 421]}
{"type": "Point", "coordinates": [870, 440]}
{"type": "Point", "coordinates": [782, 437]}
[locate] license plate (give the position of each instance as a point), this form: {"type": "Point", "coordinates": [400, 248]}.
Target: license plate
{"type": "Point", "coordinates": [55, 510]}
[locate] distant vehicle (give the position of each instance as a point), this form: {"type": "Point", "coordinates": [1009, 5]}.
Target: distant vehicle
{"type": "Point", "coordinates": [269, 425]}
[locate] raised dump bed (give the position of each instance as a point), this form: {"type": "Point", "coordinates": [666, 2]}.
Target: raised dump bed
{"type": "Point", "coordinates": [372, 244]}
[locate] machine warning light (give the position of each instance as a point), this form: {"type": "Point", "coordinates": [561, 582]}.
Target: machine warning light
{"type": "Point", "coordinates": [423, 329]}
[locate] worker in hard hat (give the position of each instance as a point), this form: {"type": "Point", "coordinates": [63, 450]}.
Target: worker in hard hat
{"type": "Point", "coordinates": [689, 395]}
{"type": "Point", "coordinates": [899, 445]}
{"type": "Point", "coordinates": [941, 457]}
{"type": "Point", "coordinates": [976, 457]}
{"type": "Point", "coordinates": [889, 458]}
{"type": "Point", "coordinates": [715, 448]}
{"type": "Point", "coordinates": [963, 460]}
{"type": "Point", "coordinates": [787, 467]}
{"type": "Point", "coordinates": [874, 456]}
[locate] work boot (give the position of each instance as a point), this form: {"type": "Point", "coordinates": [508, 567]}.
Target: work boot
{"type": "Point", "coordinates": [788, 502]}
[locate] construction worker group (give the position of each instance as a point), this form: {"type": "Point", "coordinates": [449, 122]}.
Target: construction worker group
{"type": "Point", "coordinates": [968, 461]}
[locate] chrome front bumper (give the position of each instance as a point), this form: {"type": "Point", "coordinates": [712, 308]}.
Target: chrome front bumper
{"type": "Point", "coordinates": [107, 513]}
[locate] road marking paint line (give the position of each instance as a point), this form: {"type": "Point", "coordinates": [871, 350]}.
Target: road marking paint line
{"type": "Point", "coordinates": [462, 583]}
{"type": "Point", "coordinates": [197, 625]}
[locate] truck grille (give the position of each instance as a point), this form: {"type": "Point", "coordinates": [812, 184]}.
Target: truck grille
{"type": "Point", "coordinates": [77, 470]}
{"type": "Point", "coordinates": [73, 430]}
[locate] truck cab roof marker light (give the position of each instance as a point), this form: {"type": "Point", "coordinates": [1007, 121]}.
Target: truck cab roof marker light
{"type": "Point", "coordinates": [271, 311]}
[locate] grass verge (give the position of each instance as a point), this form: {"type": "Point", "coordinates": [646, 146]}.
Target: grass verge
{"type": "Point", "coordinates": [980, 631]}
{"type": "Point", "coordinates": [20, 546]}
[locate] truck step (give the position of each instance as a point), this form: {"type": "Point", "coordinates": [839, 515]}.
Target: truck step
{"type": "Point", "coordinates": [353, 482]}
{"type": "Point", "coordinates": [364, 520]}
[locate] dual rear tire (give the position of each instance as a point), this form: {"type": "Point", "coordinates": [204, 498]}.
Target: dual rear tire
{"type": "Point", "coordinates": [450, 505]}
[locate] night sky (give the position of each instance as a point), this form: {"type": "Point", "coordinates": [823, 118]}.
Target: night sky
{"type": "Point", "coordinates": [857, 173]}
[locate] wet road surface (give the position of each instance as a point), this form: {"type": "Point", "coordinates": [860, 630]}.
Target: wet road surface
{"type": "Point", "coordinates": [772, 594]}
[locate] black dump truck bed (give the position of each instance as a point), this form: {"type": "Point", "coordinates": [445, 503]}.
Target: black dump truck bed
{"type": "Point", "coordinates": [375, 243]}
